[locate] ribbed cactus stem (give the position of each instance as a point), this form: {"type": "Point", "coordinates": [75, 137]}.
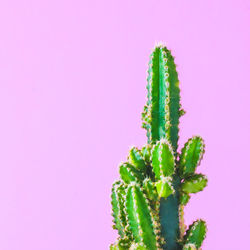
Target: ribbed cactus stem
{"type": "Point", "coordinates": [163, 106]}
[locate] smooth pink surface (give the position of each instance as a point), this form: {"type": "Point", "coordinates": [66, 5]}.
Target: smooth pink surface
{"type": "Point", "coordinates": [72, 88]}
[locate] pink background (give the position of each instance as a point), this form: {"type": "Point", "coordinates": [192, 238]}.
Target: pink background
{"type": "Point", "coordinates": [72, 88]}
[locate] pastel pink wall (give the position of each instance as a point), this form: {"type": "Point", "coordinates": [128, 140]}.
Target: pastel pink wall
{"type": "Point", "coordinates": [72, 88]}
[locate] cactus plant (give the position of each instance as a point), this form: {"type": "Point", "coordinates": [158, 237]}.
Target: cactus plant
{"type": "Point", "coordinates": [156, 181]}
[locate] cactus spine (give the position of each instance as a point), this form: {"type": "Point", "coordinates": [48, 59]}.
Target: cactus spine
{"type": "Point", "coordinates": [156, 181]}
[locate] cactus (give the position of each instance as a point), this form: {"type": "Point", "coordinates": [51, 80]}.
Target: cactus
{"type": "Point", "coordinates": [156, 181]}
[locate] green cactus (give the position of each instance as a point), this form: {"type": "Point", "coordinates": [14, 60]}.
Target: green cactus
{"type": "Point", "coordinates": [156, 182]}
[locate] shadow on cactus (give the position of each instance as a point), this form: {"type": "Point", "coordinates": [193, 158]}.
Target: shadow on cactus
{"type": "Point", "coordinates": [156, 181]}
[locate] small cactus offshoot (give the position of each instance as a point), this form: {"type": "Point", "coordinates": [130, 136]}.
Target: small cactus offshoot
{"type": "Point", "coordinates": [157, 181]}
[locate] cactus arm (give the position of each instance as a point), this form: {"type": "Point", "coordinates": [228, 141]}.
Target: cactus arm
{"type": "Point", "coordinates": [118, 207]}
{"type": "Point", "coordinates": [136, 159]}
{"type": "Point", "coordinates": [191, 155]}
{"type": "Point", "coordinates": [196, 233]}
{"type": "Point", "coordinates": [141, 220]}
{"type": "Point", "coordinates": [129, 173]}
{"type": "Point", "coordinates": [195, 183]}
{"type": "Point", "coordinates": [163, 160]}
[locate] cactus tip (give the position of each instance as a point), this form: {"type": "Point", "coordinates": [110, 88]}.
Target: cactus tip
{"type": "Point", "coordinates": [159, 44]}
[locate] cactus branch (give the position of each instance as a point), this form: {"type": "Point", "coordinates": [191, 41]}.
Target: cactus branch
{"type": "Point", "coordinates": [118, 192]}
{"type": "Point", "coordinates": [142, 222]}
{"type": "Point", "coordinates": [196, 233]}
{"type": "Point", "coordinates": [191, 155]}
